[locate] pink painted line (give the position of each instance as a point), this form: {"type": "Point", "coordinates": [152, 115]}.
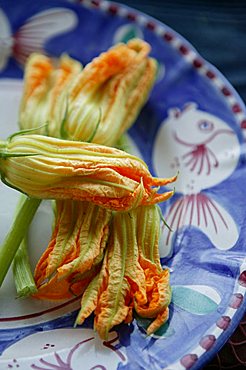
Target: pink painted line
{"type": "Point", "coordinates": [40, 313]}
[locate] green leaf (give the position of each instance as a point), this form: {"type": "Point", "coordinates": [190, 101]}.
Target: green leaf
{"type": "Point", "coordinates": [129, 35]}
{"type": "Point", "coordinates": [163, 332]}
{"type": "Point", "coordinates": [192, 301]}
{"type": "Point", "coordinates": [126, 33]}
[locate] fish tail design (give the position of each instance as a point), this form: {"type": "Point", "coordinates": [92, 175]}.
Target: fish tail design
{"type": "Point", "coordinates": [33, 35]}
{"type": "Point", "coordinates": [204, 213]}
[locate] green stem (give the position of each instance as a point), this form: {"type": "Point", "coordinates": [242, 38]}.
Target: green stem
{"type": "Point", "coordinates": [17, 232]}
{"type": "Point", "coordinates": [24, 282]}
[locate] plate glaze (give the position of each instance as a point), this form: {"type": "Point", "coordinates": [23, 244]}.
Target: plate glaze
{"type": "Point", "coordinates": [193, 123]}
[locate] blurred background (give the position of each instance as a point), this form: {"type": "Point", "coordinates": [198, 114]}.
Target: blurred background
{"type": "Point", "coordinates": [217, 29]}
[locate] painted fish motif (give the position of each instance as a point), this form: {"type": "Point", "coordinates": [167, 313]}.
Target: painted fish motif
{"type": "Point", "coordinates": [33, 34]}
{"type": "Point", "coordinates": [64, 349]}
{"type": "Point", "coordinates": [205, 151]}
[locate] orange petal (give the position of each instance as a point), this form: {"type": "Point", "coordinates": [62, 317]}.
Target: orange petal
{"type": "Point", "coordinates": [160, 320]}
{"type": "Point", "coordinates": [92, 293]}
{"type": "Point", "coordinates": [108, 64]}
{"type": "Point", "coordinates": [159, 294]}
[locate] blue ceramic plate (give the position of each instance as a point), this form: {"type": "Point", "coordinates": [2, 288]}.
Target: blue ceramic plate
{"type": "Point", "coordinates": [194, 122]}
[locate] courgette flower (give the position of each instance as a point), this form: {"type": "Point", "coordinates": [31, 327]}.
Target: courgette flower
{"type": "Point", "coordinates": [44, 82]}
{"type": "Point", "coordinates": [129, 279]}
{"type": "Point", "coordinates": [49, 168]}
{"type": "Point", "coordinates": [97, 103]}
{"type": "Point", "coordinates": [75, 250]}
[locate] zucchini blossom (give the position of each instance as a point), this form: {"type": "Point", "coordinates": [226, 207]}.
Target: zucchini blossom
{"type": "Point", "coordinates": [97, 103]}
{"type": "Point", "coordinates": [49, 168]}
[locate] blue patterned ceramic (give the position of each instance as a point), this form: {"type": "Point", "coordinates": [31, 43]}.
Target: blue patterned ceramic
{"type": "Point", "coordinates": [194, 123]}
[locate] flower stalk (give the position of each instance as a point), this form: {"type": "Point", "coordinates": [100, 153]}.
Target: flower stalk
{"type": "Point", "coordinates": [17, 232]}
{"type": "Point", "coordinates": [24, 281]}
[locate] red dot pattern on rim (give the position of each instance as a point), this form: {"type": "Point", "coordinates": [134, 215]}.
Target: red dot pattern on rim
{"type": "Point", "coordinates": [242, 278]}
{"type": "Point", "coordinates": [210, 74]}
{"type": "Point", "coordinates": [132, 17]}
{"type": "Point", "coordinates": [223, 322]}
{"type": "Point", "coordinates": [243, 124]}
{"type": "Point", "coordinates": [95, 2]}
{"type": "Point", "coordinates": [168, 37]}
{"type": "Point", "coordinates": [236, 108]}
{"type": "Point", "coordinates": [236, 300]}
{"type": "Point", "coordinates": [207, 342]}
{"type": "Point", "coordinates": [151, 26]}
{"type": "Point", "coordinates": [113, 9]}
{"type": "Point", "coordinates": [188, 360]}
{"type": "Point", "coordinates": [183, 50]}
{"type": "Point", "coordinates": [197, 63]}
{"type": "Point", "coordinates": [225, 91]}
{"type": "Point", "coordinates": [232, 355]}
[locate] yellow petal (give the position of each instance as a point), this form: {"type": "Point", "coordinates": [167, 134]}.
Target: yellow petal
{"type": "Point", "coordinates": [44, 85]}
